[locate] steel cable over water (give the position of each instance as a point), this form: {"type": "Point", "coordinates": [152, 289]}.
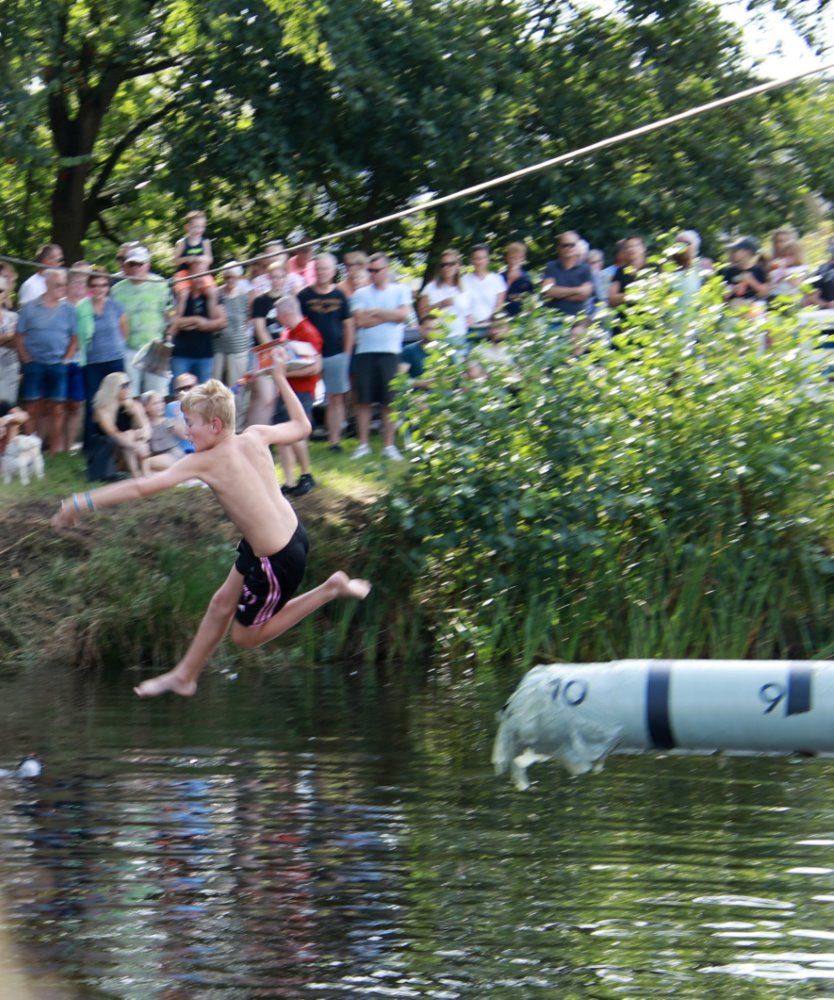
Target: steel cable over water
{"type": "Point", "coordinates": [581, 151]}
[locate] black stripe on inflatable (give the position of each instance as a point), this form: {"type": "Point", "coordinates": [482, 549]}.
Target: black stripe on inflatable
{"type": "Point", "coordinates": [657, 706]}
{"type": "Point", "coordinates": [799, 688]}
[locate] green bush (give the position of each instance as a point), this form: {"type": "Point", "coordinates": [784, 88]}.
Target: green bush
{"type": "Point", "coordinates": [668, 497]}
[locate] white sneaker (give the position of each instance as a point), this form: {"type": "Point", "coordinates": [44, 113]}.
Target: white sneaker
{"type": "Point", "coordinates": [362, 451]}
{"type": "Point", "coordinates": [393, 452]}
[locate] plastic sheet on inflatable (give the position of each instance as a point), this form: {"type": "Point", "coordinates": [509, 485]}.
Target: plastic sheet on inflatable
{"type": "Point", "coordinates": [579, 713]}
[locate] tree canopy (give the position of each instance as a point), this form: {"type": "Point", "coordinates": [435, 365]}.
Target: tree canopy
{"type": "Point", "coordinates": [275, 116]}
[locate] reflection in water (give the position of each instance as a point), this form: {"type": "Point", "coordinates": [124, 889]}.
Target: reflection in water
{"type": "Point", "coordinates": [243, 845]}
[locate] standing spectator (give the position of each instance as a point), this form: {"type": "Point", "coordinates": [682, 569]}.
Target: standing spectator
{"type": "Point", "coordinates": [121, 259]}
{"type": "Point", "coordinates": [356, 273]}
{"type": "Point", "coordinates": [413, 357]}
{"type": "Point", "coordinates": [380, 312]}
{"type": "Point", "coordinates": [194, 244]}
{"type": "Point", "coordinates": [266, 328]}
{"type": "Point", "coordinates": [46, 341]}
{"type": "Point", "coordinates": [102, 334]}
{"type": "Point", "coordinates": [822, 296]}
{"type": "Point", "coordinates": [198, 317]}
{"type": "Point", "coordinates": [50, 255]}
{"type": "Point", "coordinates": [301, 265]}
{"type": "Point", "coordinates": [516, 278]}
{"type": "Point", "coordinates": [445, 295]}
{"type": "Point", "coordinates": [303, 383]}
{"type": "Point", "coordinates": [77, 291]}
{"type": "Point", "coordinates": [9, 361]}
{"type": "Point", "coordinates": [601, 283]}
{"type": "Point", "coordinates": [231, 345]}
{"type": "Point", "coordinates": [487, 291]}
{"type": "Point", "coordinates": [634, 251]}
{"type": "Point", "coordinates": [261, 280]}
{"type": "Point", "coordinates": [745, 276]}
{"type": "Point", "coordinates": [8, 272]}
{"type": "Point", "coordinates": [620, 260]}
{"type": "Point", "coordinates": [328, 310]}
{"type": "Point", "coordinates": [568, 287]}
{"type": "Point", "coordinates": [786, 268]}
{"type": "Point", "coordinates": [147, 303]}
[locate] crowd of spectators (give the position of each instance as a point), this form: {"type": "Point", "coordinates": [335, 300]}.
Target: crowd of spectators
{"type": "Point", "coordinates": [119, 350]}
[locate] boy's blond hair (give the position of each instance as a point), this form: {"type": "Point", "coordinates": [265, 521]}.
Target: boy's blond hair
{"type": "Point", "coordinates": [196, 214]}
{"type": "Point", "coordinates": [209, 400]}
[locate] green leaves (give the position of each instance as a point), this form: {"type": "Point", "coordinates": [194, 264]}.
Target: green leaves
{"type": "Point", "coordinates": [657, 476]}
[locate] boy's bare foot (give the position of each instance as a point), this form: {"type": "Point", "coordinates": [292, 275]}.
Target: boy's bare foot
{"type": "Point", "coordinates": [346, 586]}
{"type": "Point", "coordinates": [164, 683]}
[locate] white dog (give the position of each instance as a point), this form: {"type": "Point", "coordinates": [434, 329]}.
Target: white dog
{"type": "Point", "coordinates": [22, 456]}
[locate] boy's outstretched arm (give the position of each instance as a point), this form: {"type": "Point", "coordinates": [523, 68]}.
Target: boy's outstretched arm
{"type": "Point", "coordinates": [71, 509]}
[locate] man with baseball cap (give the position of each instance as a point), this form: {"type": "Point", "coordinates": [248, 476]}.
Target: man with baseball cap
{"type": "Point", "coordinates": [148, 305]}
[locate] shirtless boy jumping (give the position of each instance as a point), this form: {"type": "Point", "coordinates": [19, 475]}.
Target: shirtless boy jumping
{"type": "Point", "coordinates": [257, 597]}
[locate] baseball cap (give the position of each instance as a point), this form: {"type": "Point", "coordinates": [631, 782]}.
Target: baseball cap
{"type": "Point", "coordinates": [137, 255]}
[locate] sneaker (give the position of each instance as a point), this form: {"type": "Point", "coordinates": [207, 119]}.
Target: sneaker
{"type": "Point", "coordinates": [393, 452]}
{"type": "Point", "coordinates": [335, 447]}
{"type": "Point", "coordinates": [289, 491]}
{"type": "Point", "coordinates": [362, 451]}
{"type": "Point", "coordinates": [305, 484]}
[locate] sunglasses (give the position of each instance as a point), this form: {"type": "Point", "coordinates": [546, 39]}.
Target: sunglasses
{"type": "Point", "coordinates": [186, 388]}
{"type": "Point", "coordinates": [448, 263]}
{"type": "Point", "coordinates": [567, 244]}
{"type": "Point", "coordinates": [124, 385]}
{"type": "Point", "coordinates": [375, 270]}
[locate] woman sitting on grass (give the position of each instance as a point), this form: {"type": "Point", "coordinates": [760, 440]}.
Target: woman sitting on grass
{"type": "Point", "coordinates": [122, 421]}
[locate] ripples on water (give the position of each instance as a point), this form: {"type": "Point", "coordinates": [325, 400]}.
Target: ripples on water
{"type": "Point", "coordinates": [267, 840]}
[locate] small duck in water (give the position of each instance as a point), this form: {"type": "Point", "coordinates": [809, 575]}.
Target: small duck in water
{"type": "Point", "coordinates": [29, 767]}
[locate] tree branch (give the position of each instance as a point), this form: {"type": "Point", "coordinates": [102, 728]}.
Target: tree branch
{"type": "Point", "coordinates": [121, 147]}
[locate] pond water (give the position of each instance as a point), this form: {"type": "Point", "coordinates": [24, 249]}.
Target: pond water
{"type": "Point", "coordinates": [319, 834]}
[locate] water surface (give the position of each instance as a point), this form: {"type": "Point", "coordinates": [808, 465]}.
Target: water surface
{"type": "Point", "coordinates": [321, 835]}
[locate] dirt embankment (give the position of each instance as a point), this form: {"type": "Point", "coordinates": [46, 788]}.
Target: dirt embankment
{"type": "Point", "coordinates": [59, 586]}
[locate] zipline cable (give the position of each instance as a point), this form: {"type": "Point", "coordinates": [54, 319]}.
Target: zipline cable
{"type": "Point", "coordinates": [554, 161]}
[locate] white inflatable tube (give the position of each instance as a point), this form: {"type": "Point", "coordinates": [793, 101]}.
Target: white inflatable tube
{"type": "Point", "coordinates": [579, 714]}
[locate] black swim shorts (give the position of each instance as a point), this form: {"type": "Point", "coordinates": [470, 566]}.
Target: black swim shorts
{"type": "Point", "coordinates": [269, 581]}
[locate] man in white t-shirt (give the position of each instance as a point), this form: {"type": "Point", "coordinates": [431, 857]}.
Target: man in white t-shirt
{"type": "Point", "coordinates": [380, 312]}
{"type": "Point", "coordinates": [50, 255]}
{"type": "Point", "coordinates": [487, 291]}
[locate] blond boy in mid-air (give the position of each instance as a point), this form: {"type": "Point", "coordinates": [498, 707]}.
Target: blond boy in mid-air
{"type": "Point", "coordinates": [257, 597]}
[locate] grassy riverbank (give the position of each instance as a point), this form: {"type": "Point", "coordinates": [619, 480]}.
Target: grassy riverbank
{"type": "Point", "coordinates": [131, 583]}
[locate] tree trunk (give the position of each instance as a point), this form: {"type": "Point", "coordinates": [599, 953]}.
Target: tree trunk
{"type": "Point", "coordinates": [69, 221]}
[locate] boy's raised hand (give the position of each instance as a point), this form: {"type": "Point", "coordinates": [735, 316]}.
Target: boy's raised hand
{"type": "Point", "coordinates": [279, 360]}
